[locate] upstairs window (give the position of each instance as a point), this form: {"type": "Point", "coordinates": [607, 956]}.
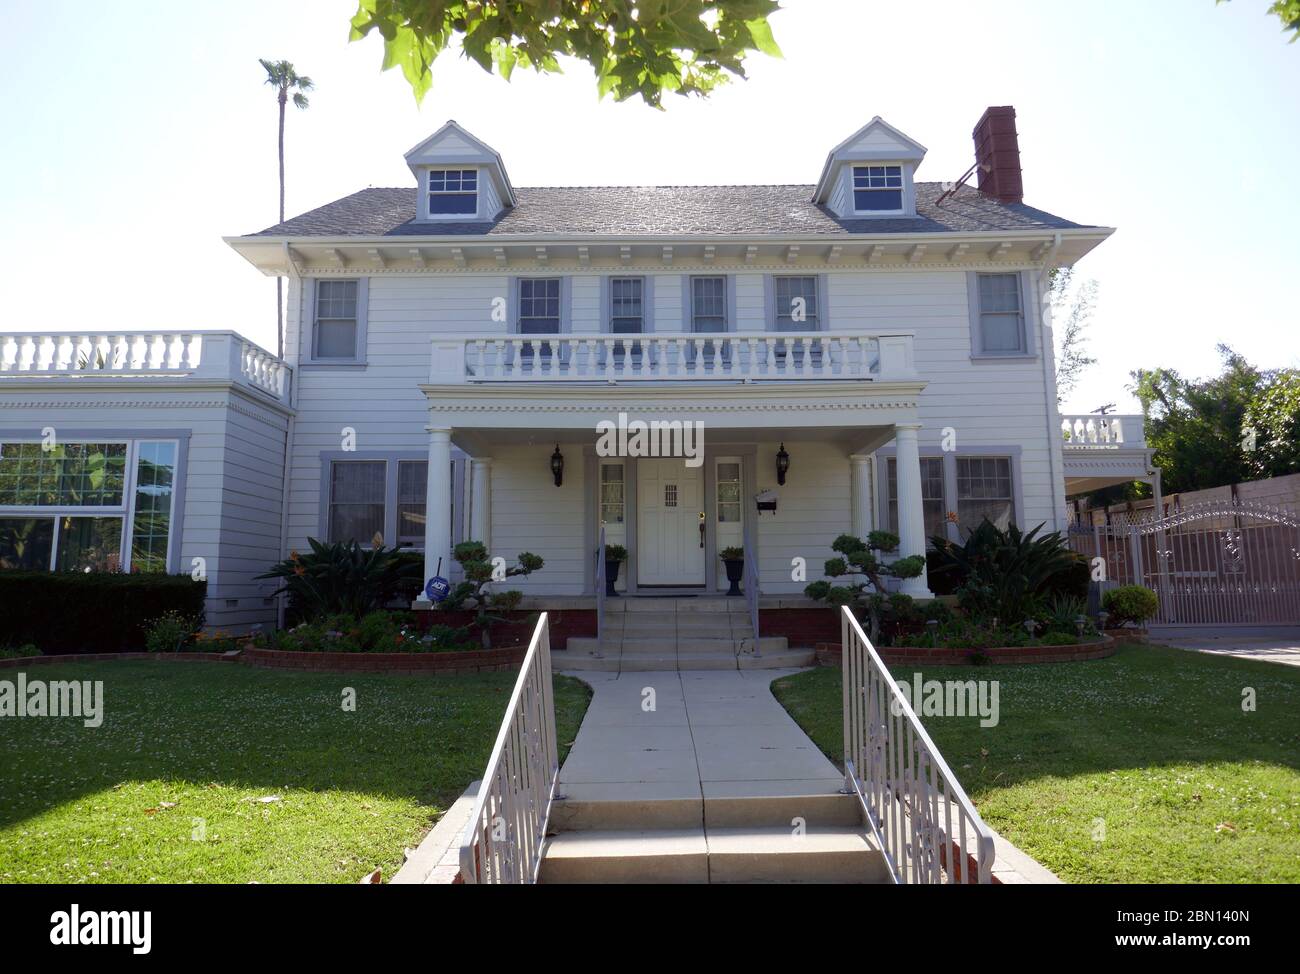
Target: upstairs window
{"type": "Point", "coordinates": [796, 304]}
{"type": "Point", "coordinates": [453, 191]}
{"type": "Point", "coordinates": [626, 305]}
{"type": "Point", "coordinates": [539, 306]}
{"type": "Point", "coordinates": [878, 189]}
{"type": "Point", "coordinates": [1001, 315]}
{"type": "Point", "coordinates": [335, 331]}
{"type": "Point", "coordinates": [708, 304]}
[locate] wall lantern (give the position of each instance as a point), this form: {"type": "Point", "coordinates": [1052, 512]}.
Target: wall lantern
{"type": "Point", "coordinates": [557, 465]}
{"type": "Point", "coordinates": [782, 465]}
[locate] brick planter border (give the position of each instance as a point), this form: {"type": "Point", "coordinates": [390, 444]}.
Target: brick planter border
{"type": "Point", "coordinates": [828, 654]}
{"type": "Point", "coordinates": [13, 664]}
{"type": "Point", "coordinates": [437, 664]}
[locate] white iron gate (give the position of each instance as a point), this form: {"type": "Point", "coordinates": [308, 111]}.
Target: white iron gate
{"type": "Point", "coordinates": [1209, 563]}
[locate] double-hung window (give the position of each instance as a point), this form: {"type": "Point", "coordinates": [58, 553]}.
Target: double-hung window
{"type": "Point", "coordinates": [984, 490]}
{"type": "Point", "coordinates": [1000, 321]}
{"type": "Point", "coordinates": [796, 303]}
{"type": "Point", "coordinates": [412, 497]}
{"type": "Point", "coordinates": [539, 306]}
{"type": "Point", "coordinates": [708, 303]}
{"type": "Point", "coordinates": [453, 192]}
{"type": "Point", "coordinates": [358, 489]}
{"type": "Point", "coordinates": [384, 498]}
{"type": "Point", "coordinates": [335, 329]}
{"type": "Point", "coordinates": [878, 189]}
{"type": "Point", "coordinates": [88, 506]}
{"type": "Point", "coordinates": [626, 305]}
{"type": "Point", "coordinates": [932, 506]}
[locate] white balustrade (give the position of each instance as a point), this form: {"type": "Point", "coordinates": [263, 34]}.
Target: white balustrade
{"type": "Point", "coordinates": [174, 354]}
{"type": "Point", "coordinates": [675, 357]}
{"type": "Point", "coordinates": [1090, 431]}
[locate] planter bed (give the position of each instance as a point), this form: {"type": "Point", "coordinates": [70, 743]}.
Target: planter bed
{"type": "Point", "coordinates": [828, 654]}
{"type": "Point", "coordinates": [472, 661]}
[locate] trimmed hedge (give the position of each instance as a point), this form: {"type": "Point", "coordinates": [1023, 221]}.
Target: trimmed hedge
{"type": "Point", "coordinates": [96, 612]}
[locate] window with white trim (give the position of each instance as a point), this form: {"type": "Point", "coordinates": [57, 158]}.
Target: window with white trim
{"type": "Point", "coordinates": [453, 192]}
{"type": "Point", "coordinates": [356, 502]}
{"type": "Point", "coordinates": [78, 506]}
{"type": "Point", "coordinates": [796, 303]}
{"type": "Point", "coordinates": [984, 489]}
{"type": "Point", "coordinates": [1001, 315]}
{"type": "Point", "coordinates": [412, 501]}
{"type": "Point", "coordinates": [613, 494]}
{"type": "Point", "coordinates": [878, 189]}
{"type": "Point", "coordinates": [334, 332]}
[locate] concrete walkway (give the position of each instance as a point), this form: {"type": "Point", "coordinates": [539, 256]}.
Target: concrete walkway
{"type": "Point", "coordinates": [1271, 644]}
{"type": "Point", "coordinates": [693, 734]}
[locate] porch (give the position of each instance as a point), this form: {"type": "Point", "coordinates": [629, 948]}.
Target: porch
{"type": "Point", "coordinates": [674, 475]}
{"type": "Point", "coordinates": [1103, 450]}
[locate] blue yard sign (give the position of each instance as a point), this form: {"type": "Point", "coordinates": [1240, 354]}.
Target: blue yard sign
{"type": "Point", "coordinates": [437, 587]}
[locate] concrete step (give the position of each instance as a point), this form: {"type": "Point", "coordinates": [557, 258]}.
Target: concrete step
{"type": "Point", "coordinates": [670, 805]}
{"type": "Point", "coordinates": [614, 662]}
{"type": "Point", "coordinates": [668, 646]}
{"type": "Point", "coordinates": [790, 659]}
{"type": "Point", "coordinates": [627, 856]}
{"type": "Point", "coordinates": [701, 624]}
{"type": "Point", "coordinates": [836, 854]}
{"type": "Point", "coordinates": [816, 809]}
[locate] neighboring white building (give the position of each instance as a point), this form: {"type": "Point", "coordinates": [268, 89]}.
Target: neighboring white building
{"type": "Point", "coordinates": [891, 334]}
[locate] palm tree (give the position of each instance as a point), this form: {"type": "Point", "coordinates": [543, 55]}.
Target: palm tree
{"type": "Point", "coordinates": [282, 76]}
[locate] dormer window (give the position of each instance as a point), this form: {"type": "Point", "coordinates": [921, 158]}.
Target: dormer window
{"type": "Point", "coordinates": [453, 192]}
{"type": "Point", "coordinates": [878, 189]}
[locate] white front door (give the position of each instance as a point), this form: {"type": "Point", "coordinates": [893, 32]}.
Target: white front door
{"type": "Point", "coordinates": [670, 522]}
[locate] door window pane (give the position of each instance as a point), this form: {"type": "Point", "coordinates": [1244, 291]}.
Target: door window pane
{"type": "Point", "coordinates": [26, 543]}
{"type": "Point", "coordinates": [612, 506]}
{"type": "Point", "coordinates": [90, 544]}
{"type": "Point", "coordinates": [151, 522]}
{"type": "Point", "coordinates": [357, 500]}
{"type": "Point", "coordinates": [728, 501]}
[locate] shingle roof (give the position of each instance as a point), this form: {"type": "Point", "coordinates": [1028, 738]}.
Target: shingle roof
{"type": "Point", "coordinates": [668, 210]}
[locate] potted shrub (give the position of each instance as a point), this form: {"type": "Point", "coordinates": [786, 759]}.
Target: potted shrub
{"type": "Point", "coordinates": [734, 559]}
{"type": "Point", "coordinates": [615, 555]}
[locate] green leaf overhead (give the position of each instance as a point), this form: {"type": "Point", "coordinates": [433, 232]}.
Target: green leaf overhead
{"type": "Point", "coordinates": [684, 46]}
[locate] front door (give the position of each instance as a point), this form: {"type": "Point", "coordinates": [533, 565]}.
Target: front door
{"type": "Point", "coordinates": [670, 523]}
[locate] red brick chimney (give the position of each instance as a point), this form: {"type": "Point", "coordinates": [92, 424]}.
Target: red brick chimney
{"type": "Point", "coordinates": [997, 153]}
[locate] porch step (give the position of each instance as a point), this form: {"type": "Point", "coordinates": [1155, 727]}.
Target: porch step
{"type": "Point", "coordinates": [834, 854]}
{"type": "Point", "coordinates": [614, 662]}
{"type": "Point", "coordinates": [732, 805]}
{"type": "Point", "coordinates": [667, 645]}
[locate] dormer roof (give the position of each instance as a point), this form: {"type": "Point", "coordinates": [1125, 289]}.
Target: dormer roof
{"type": "Point", "coordinates": [877, 141]}
{"type": "Point", "coordinates": [453, 145]}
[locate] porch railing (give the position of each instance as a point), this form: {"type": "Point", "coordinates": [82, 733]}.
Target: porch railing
{"type": "Point", "coordinates": [750, 585]}
{"type": "Point", "coordinates": [1092, 431]}
{"type": "Point", "coordinates": [601, 575]}
{"type": "Point", "coordinates": [506, 835]}
{"type": "Point", "coordinates": [222, 355]}
{"type": "Point", "coordinates": [926, 825]}
{"type": "Point", "coordinates": [672, 357]}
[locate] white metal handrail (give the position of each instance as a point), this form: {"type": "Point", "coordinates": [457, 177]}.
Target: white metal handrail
{"type": "Point", "coordinates": [750, 583]}
{"type": "Point", "coordinates": [601, 575]}
{"type": "Point", "coordinates": [505, 838]}
{"type": "Point", "coordinates": [927, 827]}
{"type": "Point", "coordinates": [674, 357]}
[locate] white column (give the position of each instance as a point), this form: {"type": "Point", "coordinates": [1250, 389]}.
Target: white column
{"type": "Point", "coordinates": [480, 520]}
{"type": "Point", "coordinates": [863, 521]}
{"type": "Point", "coordinates": [437, 510]}
{"type": "Point", "coordinates": [911, 517]}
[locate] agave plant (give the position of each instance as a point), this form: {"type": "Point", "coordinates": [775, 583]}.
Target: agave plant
{"type": "Point", "coordinates": [1006, 573]}
{"type": "Point", "coordinates": [343, 577]}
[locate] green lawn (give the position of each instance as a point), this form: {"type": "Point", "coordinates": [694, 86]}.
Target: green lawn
{"type": "Point", "coordinates": [169, 788]}
{"type": "Point", "coordinates": [1152, 741]}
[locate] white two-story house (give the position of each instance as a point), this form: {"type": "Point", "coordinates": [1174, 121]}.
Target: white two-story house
{"type": "Point", "coordinates": [866, 350]}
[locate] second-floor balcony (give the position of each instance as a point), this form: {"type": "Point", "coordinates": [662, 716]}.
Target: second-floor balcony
{"type": "Point", "coordinates": [1095, 432]}
{"type": "Point", "coordinates": [144, 355]}
{"type": "Point", "coordinates": [674, 357]}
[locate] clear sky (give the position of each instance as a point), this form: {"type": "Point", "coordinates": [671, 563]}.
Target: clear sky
{"type": "Point", "coordinates": [135, 136]}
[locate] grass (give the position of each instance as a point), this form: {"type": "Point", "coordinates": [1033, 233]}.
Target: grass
{"type": "Point", "coordinates": [1153, 742]}
{"type": "Point", "coordinates": [170, 788]}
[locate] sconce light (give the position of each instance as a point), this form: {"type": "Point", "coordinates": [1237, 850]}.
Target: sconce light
{"type": "Point", "coordinates": [782, 465]}
{"type": "Point", "coordinates": [557, 465]}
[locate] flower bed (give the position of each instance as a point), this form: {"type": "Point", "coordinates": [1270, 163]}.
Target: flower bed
{"type": "Point", "coordinates": [441, 663]}
{"type": "Point", "coordinates": [828, 654]}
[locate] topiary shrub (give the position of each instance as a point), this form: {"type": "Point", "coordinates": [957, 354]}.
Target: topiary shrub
{"type": "Point", "coordinates": [469, 594]}
{"type": "Point", "coordinates": [868, 597]}
{"type": "Point", "coordinates": [1130, 603]}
